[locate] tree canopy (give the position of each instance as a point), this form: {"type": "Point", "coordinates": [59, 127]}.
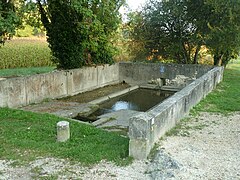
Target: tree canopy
{"type": "Point", "coordinates": [79, 32]}
{"type": "Point", "coordinates": [9, 19]}
{"type": "Point", "coordinates": [177, 29]}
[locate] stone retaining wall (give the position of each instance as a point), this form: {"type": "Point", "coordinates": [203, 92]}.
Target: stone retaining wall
{"type": "Point", "coordinates": [145, 129]}
{"type": "Point", "coordinates": [21, 91]}
{"type": "Point", "coordinates": [137, 73]}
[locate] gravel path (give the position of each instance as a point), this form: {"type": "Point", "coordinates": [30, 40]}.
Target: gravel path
{"type": "Point", "coordinates": [208, 147]}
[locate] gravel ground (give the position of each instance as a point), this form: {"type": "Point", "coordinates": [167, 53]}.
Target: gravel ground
{"type": "Point", "coordinates": [207, 148]}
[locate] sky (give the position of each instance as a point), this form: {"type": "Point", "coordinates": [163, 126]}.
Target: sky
{"type": "Point", "coordinates": [135, 4]}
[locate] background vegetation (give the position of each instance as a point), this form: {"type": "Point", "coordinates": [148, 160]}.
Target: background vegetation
{"type": "Point", "coordinates": [24, 52]}
{"type": "Point", "coordinates": [178, 30]}
{"type": "Point", "coordinates": [91, 32]}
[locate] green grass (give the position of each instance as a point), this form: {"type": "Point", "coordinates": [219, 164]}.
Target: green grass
{"type": "Point", "coordinates": [26, 135]}
{"type": "Point", "coordinates": [226, 97]}
{"type": "Point", "coordinates": [25, 52]}
{"type": "Point", "coordinates": [24, 71]}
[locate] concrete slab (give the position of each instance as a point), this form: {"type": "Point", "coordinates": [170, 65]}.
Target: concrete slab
{"type": "Point", "coordinates": [63, 109]}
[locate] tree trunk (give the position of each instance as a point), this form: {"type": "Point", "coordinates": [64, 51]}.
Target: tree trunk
{"type": "Point", "coordinates": [185, 55]}
{"type": "Point", "coordinates": [218, 59]}
{"type": "Point", "coordinates": [195, 60]}
{"type": "Point", "coordinates": [43, 14]}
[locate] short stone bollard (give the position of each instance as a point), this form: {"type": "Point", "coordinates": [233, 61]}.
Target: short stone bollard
{"type": "Point", "coordinates": [63, 131]}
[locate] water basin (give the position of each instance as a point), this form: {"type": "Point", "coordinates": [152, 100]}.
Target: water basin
{"type": "Point", "coordinates": [137, 100]}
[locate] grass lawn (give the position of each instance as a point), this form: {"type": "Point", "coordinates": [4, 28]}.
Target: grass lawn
{"type": "Point", "coordinates": [226, 97]}
{"type": "Point", "coordinates": [25, 136]}
{"type": "Point", "coordinates": [25, 71]}
{"type": "Point", "coordinates": [25, 52]}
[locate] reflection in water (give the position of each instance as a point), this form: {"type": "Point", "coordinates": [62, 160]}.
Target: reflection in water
{"type": "Point", "coordinates": [139, 100]}
{"type": "Point", "coordinates": [119, 105]}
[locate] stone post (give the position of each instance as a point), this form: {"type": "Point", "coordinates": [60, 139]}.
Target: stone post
{"type": "Point", "coordinates": [63, 131]}
{"type": "Point", "coordinates": [140, 142]}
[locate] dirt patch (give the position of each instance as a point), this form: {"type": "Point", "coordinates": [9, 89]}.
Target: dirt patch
{"type": "Point", "coordinates": [210, 150]}
{"type": "Point", "coordinates": [95, 94]}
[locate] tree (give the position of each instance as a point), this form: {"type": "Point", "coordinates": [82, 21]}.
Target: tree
{"type": "Point", "coordinates": [79, 32]}
{"type": "Point", "coordinates": [218, 24]}
{"type": "Point", "coordinates": [177, 29]}
{"type": "Point", "coordinates": [168, 31]}
{"type": "Point", "coordinates": [31, 17]}
{"type": "Point", "coordinates": [9, 19]}
{"type": "Point", "coordinates": [224, 24]}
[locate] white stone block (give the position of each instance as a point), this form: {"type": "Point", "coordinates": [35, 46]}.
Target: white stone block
{"type": "Point", "coordinates": [63, 131]}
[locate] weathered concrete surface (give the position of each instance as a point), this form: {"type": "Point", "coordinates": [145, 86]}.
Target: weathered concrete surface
{"type": "Point", "coordinates": [108, 75]}
{"type": "Point", "coordinates": [45, 86]}
{"type": "Point", "coordinates": [137, 73]}
{"type": "Point", "coordinates": [63, 109]}
{"type": "Point", "coordinates": [140, 132]}
{"type": "Point", "coordinates": [21, 91]}
{"type": "Point", "coordinates": [86, 79]}
{"type": "Point", "coordinates": [12, 92]}
{"type": "Point", "coordinates": [146, 128]}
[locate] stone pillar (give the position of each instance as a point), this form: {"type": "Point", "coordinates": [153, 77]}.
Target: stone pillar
{"type": "Point", "coordinates": [63, 131]}
{"type": "Point", "coordinates": [140, 142]}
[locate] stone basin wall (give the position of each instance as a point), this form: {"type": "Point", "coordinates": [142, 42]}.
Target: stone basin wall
{"type": "Point", "coordinates": [21, 91]}
{"type": "Point", "coordinates": [146, 128]}
{"type": "Point", "coordinates": [138, 73]}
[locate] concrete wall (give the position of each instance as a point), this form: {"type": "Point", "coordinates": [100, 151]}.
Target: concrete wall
{"type": "Point", "coordinates": [146, 128]}
{"type": "Point", "coordinates": [137, 73]}
{"type": "Point", "coordinates": [86, 79]}
{"type": "Point", "coordinates": [21, 91]}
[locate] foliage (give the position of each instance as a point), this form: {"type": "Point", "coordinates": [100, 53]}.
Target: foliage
{"type": "Point", "coordinates": [79, 32]}
{"type": "Point", "coordinates": [30, 20]}
{"type": "Point", "coordinates": [179, 29]}
{"type": "Point", "coordinates": [136, 43]}
{"type": "Point", "coordinates": [127, 48]}
{"type": "Point", "coordinates": [9, 19]}
{"type": "Point", "coordinates": [25, 52]}
{"type": "Point", "coordinates": [218, 26]}
{"type": "Point", "coordinates": [25, 136]}
{"type": "Point", "coordinates": [167, 31]}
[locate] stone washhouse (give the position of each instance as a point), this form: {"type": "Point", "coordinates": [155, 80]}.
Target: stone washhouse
{"type": "Point", "coordinates": [193, 83]}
